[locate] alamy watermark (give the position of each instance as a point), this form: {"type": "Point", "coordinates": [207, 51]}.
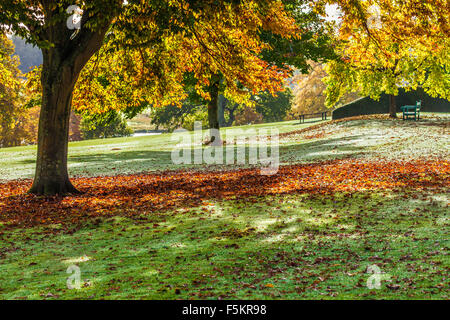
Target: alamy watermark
{"type": "Point", "coordinates": [74, 20]}
{"type": "Point", "coordinates": [374, 281]}
{"type": "Point", "coordinates": [74, 280]}
{"type": "Point", "coordinates": [259, 147]}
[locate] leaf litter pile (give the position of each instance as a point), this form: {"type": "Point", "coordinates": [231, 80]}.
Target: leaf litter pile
{"type": "Point", "coordinates": [134, 195]}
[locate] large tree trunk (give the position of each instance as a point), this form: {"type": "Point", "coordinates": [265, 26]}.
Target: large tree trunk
{"type": "Point", "coordinates": [62, 65]}
{"type": "Point", "coordinates": [213, 112]}
{"type": "Point", "coordinates": [392, 106]}
{"type": "Point", "coordinates": [57, 81]}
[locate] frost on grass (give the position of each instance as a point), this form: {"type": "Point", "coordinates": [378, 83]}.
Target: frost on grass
{"type": "Point", "coordinates": [373, 139]}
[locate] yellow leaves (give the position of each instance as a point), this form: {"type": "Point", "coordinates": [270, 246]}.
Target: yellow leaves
{"type": "Point", "coordinates": [279, 22]}
{"type": "Point", "coordinates": [389, 47]}
{"type": "Point", "coordinates": [385, 21]}
{"type": "Point", "coordinates": [226, 41]}
{"type": "Point", "coordinates": [17, 123]}
{"type": "Point", "coordinates": [230, 45]}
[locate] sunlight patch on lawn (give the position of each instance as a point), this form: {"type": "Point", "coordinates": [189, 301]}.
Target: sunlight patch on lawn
{"type": "Point", "coordinates": [445, 199]}
{"type": "Point", "coordinates": [276, 238]}
{"type": "Point", "coordinates": [263, 224]}
{"type": "Point", "coordinates": [178, 245]}
{"type": "Point", "coordinates": [345, 227]}
{"type": "Point", "coordinates": [318, 221]}
{"type": "Point", "coordinates": [150, 273]}
{"type": "Point", "coordinates": [290, 230]}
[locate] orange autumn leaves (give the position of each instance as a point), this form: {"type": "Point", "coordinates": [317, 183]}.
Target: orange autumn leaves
{"type": "Point", "coordinates": [231, 46]}
{"type": "Point", "coordinates": [134, 195]}
{"type": "Point", "coordinates": [226, 43]}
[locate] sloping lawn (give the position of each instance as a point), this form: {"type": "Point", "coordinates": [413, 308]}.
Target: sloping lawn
{"type": "Point", "coordinates": [116, 155]}
{"type": "Point", "coordinates": [356, 204]}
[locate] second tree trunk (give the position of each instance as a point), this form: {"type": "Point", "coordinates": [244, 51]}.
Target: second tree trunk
{"type": "Point", "coordinates": [213, 113]}
{"type": "Point", "coordinates": [392, 106]}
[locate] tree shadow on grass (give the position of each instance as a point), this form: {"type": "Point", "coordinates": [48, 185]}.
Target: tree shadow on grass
{"type": "Point", "coordinates": [121, 156]}
{"type": "Point", "coordinates": [123, 162]}
{"type": "Point", "coordinates": [276, 246]}
{"type": "Point", "coordinates": [157, 160]}
{"type": "Point", "coordinates": [26, 161]}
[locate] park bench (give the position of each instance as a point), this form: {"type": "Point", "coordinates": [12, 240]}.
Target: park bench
{"type": "Point", "coordinates": [412, 111]}
{"type": "Point", "coordinates": [323, 113]}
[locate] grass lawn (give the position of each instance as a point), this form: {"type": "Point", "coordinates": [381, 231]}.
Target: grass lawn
{"type": "Point", "coordinates": [288, 242]}
{"type": "Point", "coordinates": [114, 156]}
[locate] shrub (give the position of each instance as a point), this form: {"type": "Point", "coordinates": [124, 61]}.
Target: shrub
{"type": "Point", "coordinates": [248, 115]}
{"type": "Point", "coordinates": [107, 125]}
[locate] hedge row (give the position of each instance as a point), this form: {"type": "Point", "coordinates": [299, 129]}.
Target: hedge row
{"type": "Point", "coordinates": [366, 106]}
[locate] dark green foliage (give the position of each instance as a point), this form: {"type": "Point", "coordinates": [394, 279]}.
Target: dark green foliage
{"type": "Point", "coordinates": [107, 125]}
{"type": "Point", "coordinates": [365, 106]}
{"type": "Point", "coordinates": [227, 111]}
{"type": "Point", "coordinates": [172, 116]}
{"type": "Point", "coordinates": [274, 109]}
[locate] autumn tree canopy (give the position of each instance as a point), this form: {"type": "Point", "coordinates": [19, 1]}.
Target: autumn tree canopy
{"type": "Point", "coordinates": [384, 45]}
{"type": "Point", "coordinates": [147, 26]}
{"type": "Point", "coordinates": [215, 56]}
{"type": "Point", "coordinates": [310, 91]}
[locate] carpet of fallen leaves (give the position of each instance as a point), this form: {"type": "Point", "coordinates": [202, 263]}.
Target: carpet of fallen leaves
{"type": "Point", "coordinates": [133, 195]}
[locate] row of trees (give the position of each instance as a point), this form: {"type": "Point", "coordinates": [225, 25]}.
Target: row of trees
{"type": "Point", "coordinates": [266, 108]}
{"type": "Point", "coordinates": [129, 55]}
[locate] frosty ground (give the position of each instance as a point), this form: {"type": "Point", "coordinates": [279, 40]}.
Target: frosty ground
{"type": "Point", "coordinates": [350, 195]}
